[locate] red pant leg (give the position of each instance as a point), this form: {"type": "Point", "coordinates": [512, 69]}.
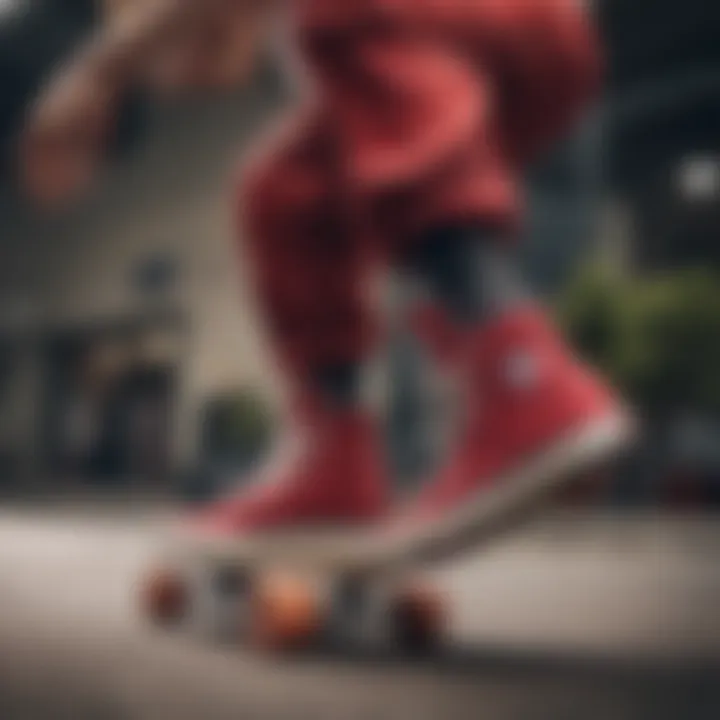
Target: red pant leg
{"type": "Point", "coordinates": [309, 263]}
{"type": "Point", "coordinates": [430, 111]}
{"type": "Point", "coordinates": [440, 104]}
{"type": "Point", "coordinates": [417, 138]}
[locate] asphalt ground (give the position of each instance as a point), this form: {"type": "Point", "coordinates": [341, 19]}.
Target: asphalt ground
{"type": "Point", "coordinates": [587, 617]}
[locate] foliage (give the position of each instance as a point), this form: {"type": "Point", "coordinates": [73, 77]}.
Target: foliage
{"type": "Point", "coordinates": [657, 337]}
{"type": "Point", "coordinates": [237, 424]}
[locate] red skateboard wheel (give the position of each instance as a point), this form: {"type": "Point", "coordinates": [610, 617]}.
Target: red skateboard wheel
{"type": "Point", "coordinates": [165, 597]}
{"type": "Point", "coordinates": [419, 618]}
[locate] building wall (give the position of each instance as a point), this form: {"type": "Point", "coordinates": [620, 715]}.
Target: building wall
{"type": "Point", "coordinates": [170, 198]}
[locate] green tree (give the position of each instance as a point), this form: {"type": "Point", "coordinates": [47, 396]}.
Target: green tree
{"type": "Point", "coordinates": [238, 424]}
{"type": "Point", "coordinates": [657, 337]}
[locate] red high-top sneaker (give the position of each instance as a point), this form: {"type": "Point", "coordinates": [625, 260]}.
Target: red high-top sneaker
{"type": "Point", "coordinates": [328, 471]}
{"type": "Point", "coordinates": [534, 417]}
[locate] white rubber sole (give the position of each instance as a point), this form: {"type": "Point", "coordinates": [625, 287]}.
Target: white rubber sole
{"type": "Point", "coordinates": [514, 494]}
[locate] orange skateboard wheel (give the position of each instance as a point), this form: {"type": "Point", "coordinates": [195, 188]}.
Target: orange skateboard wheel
{"type": "Point", "coordinates": [165, 597]}
{"type": "Point", "coordinates": [285, 613]}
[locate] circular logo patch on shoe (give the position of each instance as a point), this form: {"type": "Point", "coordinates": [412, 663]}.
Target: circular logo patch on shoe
{"type": "Point", "coordinates": [522, 370]}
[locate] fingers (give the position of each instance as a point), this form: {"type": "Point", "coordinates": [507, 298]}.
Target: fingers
{"type": "Point", "coordinates": [65, 139]}
{"type": "Point", "coordinates": [56, 174]}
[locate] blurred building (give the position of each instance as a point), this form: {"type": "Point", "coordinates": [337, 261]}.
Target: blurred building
{"type": "Point", "coordinates": [121, 320]}
{"type": "Point", "coordinates": [128, 309]}
{"type": "Point", "coordinates": [663, 112]}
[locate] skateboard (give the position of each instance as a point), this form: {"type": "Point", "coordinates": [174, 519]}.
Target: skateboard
{"type": "Point", "coordinates": [314, 590]}
{"type": "Point", "coordinates": [297, 590]}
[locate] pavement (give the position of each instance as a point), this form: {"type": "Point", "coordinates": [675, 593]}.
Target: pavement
{"type": "Point", "coordinates": [591, 617]}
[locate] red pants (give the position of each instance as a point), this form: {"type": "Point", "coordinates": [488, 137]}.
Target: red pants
{"type": "Point", "coordinates": [425, 113]}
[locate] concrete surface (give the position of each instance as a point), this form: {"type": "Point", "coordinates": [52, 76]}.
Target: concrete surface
{"type": "Point", "coordinates": [586, 618]}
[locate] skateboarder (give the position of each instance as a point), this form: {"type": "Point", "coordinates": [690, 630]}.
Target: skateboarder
{"type": "Point", "coordinates": [420, 118]}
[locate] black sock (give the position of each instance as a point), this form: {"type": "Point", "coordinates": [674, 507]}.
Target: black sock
{"type": "Point", "coordinates": [339, 383]}
{"type": "Point", "coordinates": [470, 272]}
